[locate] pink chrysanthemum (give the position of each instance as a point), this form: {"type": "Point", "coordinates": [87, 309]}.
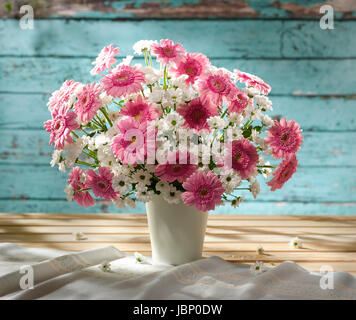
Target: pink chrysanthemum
{"type": "Point", "coordinates": [60, 126]}
{"type": "Point", "coordinates": [193, 65]}
{"type": "Point", "coordinates": [83, 198]}
{"type": "Point", "coordinates": [284, 172]}
{"type": "Point", "coordinates": [203, 190]}
{"type": "Point", "coordinates": [101, 184]}
{"type": "Point", "coordinates": [105, 59]}
{"type": "Point", "coordinates": [216, 87]}
{"type": "Point", "coordinates": [134, 141]}
{"type": "Point", "coordinates": [62, 95]}
{"type": "Point", "coordinates": [140, 109]}
{"type": "Point", "coordinates": [179, 166]}
{"type": "Point", "coordinates": [238, 103]}
{"type": "Point", "coordinates": [196, 113]}
{"type": "Point", "coordinates": [242, 156]}
{"type": "Point", "coordinates": [252, 81]}
{"type": "Point", "coordinates": [284, 138]}
{"type": "Point", "coordinates": [88, 102]}
{"type": "Point", "coordinates": [167, 51]}
{"type": "Point", "coordinates": [123, 80]}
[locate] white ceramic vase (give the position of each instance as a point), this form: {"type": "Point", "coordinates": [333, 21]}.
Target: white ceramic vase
{"type": "Point", "coordinates": [177, 231]}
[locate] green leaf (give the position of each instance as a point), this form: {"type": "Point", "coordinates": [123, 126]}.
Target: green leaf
{"type": "Point", "coordinates": [8, 6]}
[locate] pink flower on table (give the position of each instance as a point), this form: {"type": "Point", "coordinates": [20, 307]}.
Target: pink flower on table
{"type": "Point", "coordinates": [134, 141]}
{"type": "Point", "coordinates": [203, 190]}
{"type": "Point", "coordinates": [123, 80]}
{"type": "Point", "coordinates": [179, 166]}
{"type": "Point", "coordinates": [238, 103]}
{"type": "Point", "coordinates": [252, 81]}
{"type": "Point", "coordinates": [105, 59]}
{"type": "Point", "coordinates": [101, 184]}
{"type": "Point", "coordinates": [242, 156]}
{"type": "Point", "coordinates": [216, 87]}
{"type": "Point", "coordinates": [140, 109]}
{"type": "Point", "coordinates": [196, 113]}
{"type": "Point", "coordinates": [284, 138]}
{"type": "Point", "coordinates": [193, 65]}
{"type": "Point", "coordinates": [167, 51]}
{"type": "Point", "coordinates": [83, 198]}
{"type": "Point", "coordinates": [62, 95]}
{"type": "Point", "coordinates": [88, 102]}
{"type": "Point", "coordinates": [284, 172]}
{"type": "Point", "coordinates": [60, 126]}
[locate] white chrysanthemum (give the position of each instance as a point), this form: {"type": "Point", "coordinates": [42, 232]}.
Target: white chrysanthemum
{"type": "Point", "coordinates": [151, 75]}
{"type": "Point", "coordinates": [267, 121]}
{"type": "Point", "coordinates": [121, 183]}
{"type": "Point", "coordinates": [105, 266]}
{"type": "Point", "coordinates": [267, 172]}
{"type": "Point", "coordinates": [230, 180]}
{"type": "Point", "coordinates": [162, 186]}
{"type": "Point", "coordinates": [143, 45]}
{"type": "Point", "coordinates": [140, 258]}
{"type": "Point", "coordinates": [260, 250]}
{"type": "Point", "coordinates": [216, 123]}
{"type": "Point", "coordinates": [172, 195]}
{"type": "Point", "coordinates": [127, 60]}
{"type": "Point", "coordinates": [106, 99]}
{"type": "Point", "coordinates": [142, 177]}
{"type": "Point", "coordinates": [179, 82]}
{"type": "Point", "coordinates": [173, 121]}
{"type": "Point", "coordinates": [237, 201]}
{"type": "Point", "coordinates": [251, 92]}
{"type": "Point", "coordinates": [56, 157]}
{"type": "Point", "coordinates": [296, 243]}
{"type": "Point", "coordinates": [61, 167]}
{"type": "Point", "coordinates": [255, 188]}
{"type": "Point", "coordinates": [257, 268]}
{"type": "Point", "coordinates": [236, 118]}
{"type": "Point", "coordinates": [157, 95]}
{"type": "Point", "coordinates": [101, 139]}
{"type": "Point", "coordinates": [105, 155]}
{"type": "Point", "coordinates": [263, 102]}
{"type": "Point", "coordinates": [119, 203]}
{"type": "Point", "coordinates": [113, 116]}
{"type": "Point", "coordinates": [69, 192]}
{"type": "Point", "coordinates": [236, 133]}
{"type": "Point", "coordinates": [74, 151]}
{"type": "Point", "coordinates": [143, 194]}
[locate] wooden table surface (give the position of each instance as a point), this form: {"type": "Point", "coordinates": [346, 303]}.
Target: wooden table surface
{"type": "Point", "coordinates": [327, 240]}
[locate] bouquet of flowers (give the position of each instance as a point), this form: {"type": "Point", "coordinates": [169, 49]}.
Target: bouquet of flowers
{"type": "Point", "coordinates": [178, 127]}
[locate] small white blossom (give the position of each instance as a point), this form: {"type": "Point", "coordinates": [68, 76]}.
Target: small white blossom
{"type": "Point", "coordinates": [127, 60]}
{"type": "Point", "coordinates": [230, 180]}
{"type": "Point", "coordinates": [79, 236]}
{"type": "Point", "coordinates": [61, 167]}
{"type": "Point", "coordinates": [267, 121]}
{"type": "Point", "coordinates": [255, 188]}
{"type": "Point", "coordinates": [236, 118]}
{"type": "Point", "coordinates": [172, 195]}
{"type": "Point", "coordinates": [257, 268]}
{"type": "Point", "coordinates": [69, 192]}
{"type": "Point", "coordinates": [142, 177]}
{"type": "Point", "coordinates": [142, 45]}
{"type": "Point", "coordinates": [162, 186]}
{"type": "Point", "coordinates": [140, 258]}
{"type": "Point", "coordinates": [73, 152]}
{"type": "Point", "coordinates": [173, 121]}
{"type": "Point", "coordinates": [263, 102]}
{"type": "Point", "coordinates": [296, 243]}
{"type": "Point", "coordinates": [56, 157]}
{"type": "Point", "coordinates": [106, 99]}
{"type": "Point", "coordinates": [121, 183]}
{"type": "Point", "coordinates": [143, 194]}
{"type": "Point", "coordinates": [260, 249]}
{"type": "Point", "coordinates": [105, 266]}
{"type": "Point", "coordinates": [216, 123]}
{"type": "Point", "coordinates": [119, 203]}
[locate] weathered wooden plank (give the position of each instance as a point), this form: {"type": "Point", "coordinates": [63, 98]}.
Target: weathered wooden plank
{"type": "Point", "coordinates": [298, 77]}
{"type": "Point", "coordinates": [332, 114]}
{"type": "Point", "coordinates": [315, 184]}
{"type": "Point", "coordinates": [319, 148]}
{"type": "Point", "coordinates": [271, 39]}
{"type": "Point", "coordinates": [182, 9]}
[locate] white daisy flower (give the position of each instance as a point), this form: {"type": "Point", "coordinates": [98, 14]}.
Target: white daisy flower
{"type": "Point", "coordinates": [260, 249]}
{"type": "Point", "coordinates": [172, 195]}
{"type": "Point", "coordinates": [106, 99]}
{"type": "Point", "coordinates": [216, 123]}
{"type": "Point", "coordinates": [69, 192]}
{"type": "Point", "coordinates": [140, 258]}
{"type": "Point", "coordinates": [143, 194]}
{"type": "Point", "coordinates": [236, 118]}
{"type": "Point", "coordinates": [61, 167]}
{"type": "Point", "coordinates": [121, 183]}
{"type": "Point", "coordinates": [105, 266]}
{"type": "Point", "coordinates": [162, 186]}
{"type": "Point", "coordinates": [142, 45]}
{"type": "Point", "coordinates": [267, 172]}
{"type": "Point", "coordinates": [173, 121]}
{"type": "Point", "coordinates": [263, 102]}
{"type": "Point", "coordinates": [79, 236]}
{"type": "Point", "coordinates": [230, 180]}
{"type": "Point", "coordinates": [257, 268]}
{"type": "Point", "coordinates": [296, 243]}
{"type": "Point", "coordinates": [73, 152]}
{"type": "Point", "coordinates": [56, 157]}
{"type": "Point", "coordinates": [255, 188]}
{"type": "Point", "coordinates": [267, 121]}
{"type": "Point", "coordinates": [142, 177]}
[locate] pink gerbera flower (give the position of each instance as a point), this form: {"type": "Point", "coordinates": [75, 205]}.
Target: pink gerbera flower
{"type": "Point", "coordinates": [193, 65]}
{"type": "Point", "coordinates": [140, 109]}
{"type": "Point", "coordinates": [284, 138]}
{"type": "Point", "coordinates": [252, 81]}
{"type": "Point", "coordinates": [242, 156]}
{"type": "Point", "coordinates": [62, 123]}
{"type": "Point", "coordinates": [105, 59]}
{"type": "Point", "coordinates": [238, 103]}
{"type": "Point", "coordinates": [203, 190]}
{"type": "Point", "coordinates": [196, 113]}
{"type": "Point", "coordinates": [284, 172]}
{"type": "Point", "coordinates": [83, 198]}
{"type": "Point", "coordinates": [123, 80]}
{"type": "Point", "coordinates": [134, 141]}
{"type": "Point", "coordinates": [179, 166]}
{"type": "Point", "coordinates": [62, 95]}
{"type": "Point", "coordinates": [88, 102]}
{"type": "Point", "coordinates": [167, 51]}
{"type": "Point", "coordinates": [101, 184]}
{"type": "Point", "coordinates": [216, 87]}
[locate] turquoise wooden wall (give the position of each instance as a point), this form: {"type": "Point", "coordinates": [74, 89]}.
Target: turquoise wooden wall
{"type": "Point", "coordinates": [312, 73]}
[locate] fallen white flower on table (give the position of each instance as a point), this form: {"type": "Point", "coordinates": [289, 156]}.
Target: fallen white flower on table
{"type": "Point", "coordinates": [105, 266]}
{"type": "Point", "coordinates": [260, 250]}
{"type": "Point", "coordinates": [79, 236]}
{"type": "Point", "coordinates": [140, 258]}
{"type": "Point", "coordinates": [257, 268]}
{"type": "Point", "coordinates": [296, 243]}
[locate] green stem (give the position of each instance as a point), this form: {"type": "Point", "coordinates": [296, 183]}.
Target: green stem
{"type": "Point", "coordinates": [165, 77]}
{"type": "Point", "coordinates": [145, 54]}
{"type": "Point", "coordinates": [75, 134]}
{"type": "Point", "coordinates": [149, 55]}
{"type": "Point", "coordinates": [86, 163]}
{"type": "Point", "coordinates": [106, 116]}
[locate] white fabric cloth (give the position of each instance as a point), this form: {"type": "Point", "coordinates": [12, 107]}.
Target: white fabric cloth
{"type": "Point", "coordinates": [64, 275]}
